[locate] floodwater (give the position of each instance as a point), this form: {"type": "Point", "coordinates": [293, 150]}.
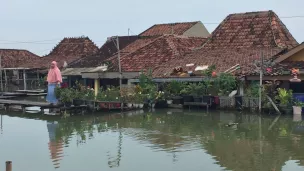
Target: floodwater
{"type": "Point", "coordinates": [168, 140]}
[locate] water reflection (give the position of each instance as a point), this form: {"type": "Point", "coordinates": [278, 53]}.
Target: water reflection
{"type": "Point", "coordinates": [55, 145]}
{"type": "Point", "coordinates": [235, 141]}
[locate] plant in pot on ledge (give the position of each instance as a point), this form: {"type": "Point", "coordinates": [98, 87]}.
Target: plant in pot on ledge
{"type": "Point", "coordinates": [285, 98]}
{"type": "Point", "coordinates": [160, 100]}
{"type": "Point", "coordinates": [90, 98]}
{"type": "Point", "coordinates": [172, 91]}
{"type": "Point", "coordinates": [78, 98]}
{"type": "Point", "coordinates": [66, 96]}
{"type": "Point", "coordinates": [196, 91]}
{"type": "Point", "coordinates": [297, 107]}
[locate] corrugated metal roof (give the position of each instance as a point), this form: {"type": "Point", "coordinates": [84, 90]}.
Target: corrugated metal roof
{"type": "Point", "coordinates": [75, 71]}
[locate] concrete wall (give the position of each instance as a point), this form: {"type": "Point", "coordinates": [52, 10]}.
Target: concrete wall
{"type": "Point", "coordinates": [198, 30]}
{"type": "Point", "coordinates": [299, 56]}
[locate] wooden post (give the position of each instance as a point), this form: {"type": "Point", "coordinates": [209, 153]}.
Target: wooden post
{"type": "Point", "coordinates": [38, 79]}
{"type": "Point", "coordinates": [24, 79]}
{"type": "Point", "coordinates": [261, 82]}
{"type": "Point", "coordinates": [5, 77]}
{"type": "Point", "coordinates": [96, 86]}
{"type": "Point", "coordinates": [85, 82]}
{"type": "Point", "coordinates": [8, 166]}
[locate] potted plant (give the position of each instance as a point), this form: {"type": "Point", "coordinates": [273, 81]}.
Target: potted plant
{"type": "Point", "coordinates": [78, 98]}
{"type": "Point", "coordinates": [130, 100]}
{"type": "Point", "coordinates": [186, 93]}
{"type": "Point", "coordinates": [297, 108]}
{"type": "Point", "coordinates": [138, 100]}
{"type": "Point", "coordinates": [173, 90]}
{"type": "Point", "coordinates": [66, 96]}
{"type": "Point", "coordinates": [284, 97]}
{"type": "Point", "coordinates": [90, 98]}
{"type": "Point", "coordinates": [198, 92]}
{"type": "Point", "coordinates": [113, 95]}
{"type": "Point", "coordinates": [160, 101]}
{"type": "Point", "coordinates": [168, 97]}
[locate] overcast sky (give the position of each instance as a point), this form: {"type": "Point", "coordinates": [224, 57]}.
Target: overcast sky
{"type": "Point", "coordinates": [48, 21]}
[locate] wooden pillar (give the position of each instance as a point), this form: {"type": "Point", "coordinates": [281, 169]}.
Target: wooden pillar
{"type": "Point", "coordinates": [38, 79]}
{"type": "Point", "coordinates": [85, 82]}
{"type": "Point", "coordinates": [242, 88]}
{"type": "Point", "coordinates": [70, 81]}
{"type": "Point", "coordinates": [5, 77]}
{"type": "Point", "coordinates": [96, 86]}
{"type": "Point", "coordinates": [24, 79]}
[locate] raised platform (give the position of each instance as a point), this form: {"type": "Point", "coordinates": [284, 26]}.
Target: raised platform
{"type": "Point", "coordinates": [199, 104]}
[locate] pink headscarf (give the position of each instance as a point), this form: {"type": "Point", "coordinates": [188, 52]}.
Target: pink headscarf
{"type": "Point", "coordinates": [54, 75]}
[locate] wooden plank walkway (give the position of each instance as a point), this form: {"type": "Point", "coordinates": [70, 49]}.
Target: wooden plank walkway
{"type": "Point", "coordinates": [25, 103]}
{"type": "Point", "coordinates": [7, 97]}
{"type": "Point", "coordinates": [30, 91]}
{"type": "Point", "coordinates": [12, 94]}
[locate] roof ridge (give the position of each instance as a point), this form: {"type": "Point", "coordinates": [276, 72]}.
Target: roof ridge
{"type": "Point", "coordinates": [167, 24]}
{"type": "Point", "coordinates": [270, 13]}
{"type": "Point", "coordinates": [176, 23]}
{"type": "Point", "coordinates": [279, 24]}
{"type": "Point", "coordinates": [172, 46]}
{"type": "Point", "coordinates": [252, 12]}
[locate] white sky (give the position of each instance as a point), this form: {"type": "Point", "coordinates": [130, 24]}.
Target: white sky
{"type": "Point", "coordinates": [38, 20]}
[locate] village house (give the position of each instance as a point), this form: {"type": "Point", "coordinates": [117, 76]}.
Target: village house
{"type": "Point", "coordinates": [13, 72]}
{"type": "Point", "coordinates": [88, 63]}
{"type": "Point", "coordinates": [234, 46]}
{"type": "Point", "coordinates": [67, 51]}
{"type": "Point", "coordinates": [159, 50]}
{"type": "Point", "coordinates": [102, 64]}
{"type": "Point", "coordinates": [278, 68]}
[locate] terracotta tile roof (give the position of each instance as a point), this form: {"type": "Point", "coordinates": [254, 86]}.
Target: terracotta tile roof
{"type": "Point", "coordinates": [170, 28]}
{"type": "Point", "coordinates": [223, 59]}
{"type": "Point", "coordinates": [14, 58]}
{"type": "Point", "coordinates": [69, 50]}
{"type": "Point", "coordinates": [79, 46]}
{"type": "Point", "coordinates": [158, 51]}
{"type": "Point", "coordinates": [107, 50]}
{"type": "Point", "coordinates": [253, 29]}
{"type": "Point", "coordinates": [239, 39]}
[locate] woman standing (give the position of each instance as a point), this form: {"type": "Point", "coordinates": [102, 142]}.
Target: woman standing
{"type": "Point", "coordinates": [54, 79]}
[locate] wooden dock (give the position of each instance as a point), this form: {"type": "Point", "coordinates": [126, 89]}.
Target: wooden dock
{"type": "Point", "coordinates": [43, 105]}
{"type": "Point", "coordinates": [7, 97]}
{"type": "Point", "coordinates": [30, 91]}
{"type": "Point", "coordinates": [12, 94]}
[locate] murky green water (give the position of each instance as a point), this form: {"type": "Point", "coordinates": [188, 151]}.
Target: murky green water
{"type": "Point", "coordinates": [162, 140]}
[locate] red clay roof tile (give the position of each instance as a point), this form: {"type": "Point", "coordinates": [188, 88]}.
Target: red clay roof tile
{"type": "Point", "coordinates": [236, 41]}
{"type": "Point", "coordinates": [69, 49]}
{"type": "Point", "coordinates": [14, 58]}
{"type": "Point", "coordinates": [154, 53]}
{"type": "Point", "coordinates": [170, 28]}
{"type": "Point", "coordinates": [253, 29]}
{"type": "Point", "coordinates": [107, 50]}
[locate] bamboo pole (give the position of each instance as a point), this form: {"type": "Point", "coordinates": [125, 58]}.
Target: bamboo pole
{"type": "Point", "coordinates": [8, 166]}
